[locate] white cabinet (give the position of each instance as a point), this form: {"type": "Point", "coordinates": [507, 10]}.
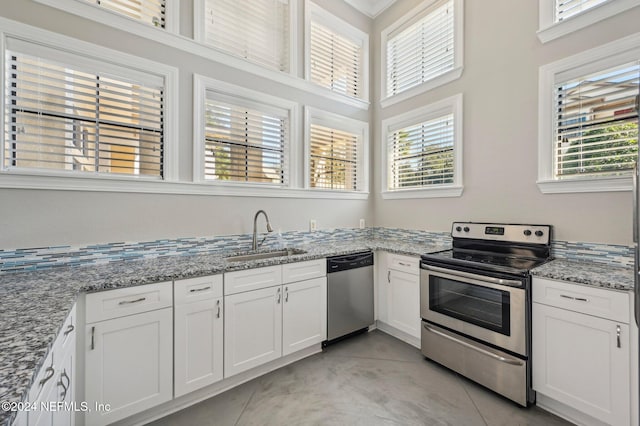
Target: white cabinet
{"type": "Point", "coordinates": [198, 331]}
{"type": "Point", "coordinates": [129, 358]}
{"type": "Point", "coordinates": [304, 314]}
{"type": "Point", "coordinates": [399, 296]}
{"type": "Point", "coordinates": [281, 314]}
{"type": "Point", "coordinates": [253, 329]}
{"type": "Point", "coordinates": [581, 348]}
{"type": "Point", "coordinates": [54, 385]}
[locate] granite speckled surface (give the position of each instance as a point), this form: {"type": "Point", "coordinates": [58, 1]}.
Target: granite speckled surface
{"type": "Point", "coordinates": [592, 274]}
{"type": "Point", "coordinates": [35, 304]}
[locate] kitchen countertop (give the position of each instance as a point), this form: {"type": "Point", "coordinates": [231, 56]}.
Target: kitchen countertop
{"type": "Point", "coordinates": [587, 273]}
{"type": "Point", "coordinates": [35, 304]}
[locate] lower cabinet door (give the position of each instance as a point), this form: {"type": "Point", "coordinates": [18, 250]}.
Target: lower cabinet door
{"type": "Point", "coordinates": [65, 390]}
{"type": "Point", "coordinates": [252, 329]}
{"type": "Point", "coordinates": [129, 365]}
{"type": "Point", "coordinates": [198, 345]}
{"type": "Point", "coordinates": [403, 302]}
{"type": "Point", "coordinates": [583, 362]}
{"type": "Point", "coordinates": [304, 314]}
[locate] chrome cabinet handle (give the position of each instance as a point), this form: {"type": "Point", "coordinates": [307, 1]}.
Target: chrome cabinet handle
{"type": "Point", "coordinates": [126, 302]}
{"type": "Point", "coordinates": [63, 395]}
{"type": "Point", "coordinates": [50, 371]}
{"type": "Point", "coordinates": [218, 305]}
{"type": "Point", "coordinates": [403, 264]}
{"type": "Point", "coordinates": [93, 332]}
{"type": "Point", "coordinates": [286, 294]}
{"type": "Point", "coordinates": [278, 295]}
{"type": "Point", "coordinates": [69, 329]}
{"type": "Point", "coordinates": [618, 336]}
{"type": "Point", "coordinates": [389, 276]}
{"type": "Point", "coordinates": [194, 290]}
{"type": "Point", "coordinates": [579, 299]}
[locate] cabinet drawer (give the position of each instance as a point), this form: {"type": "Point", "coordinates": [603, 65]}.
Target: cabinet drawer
{"type": "Point", "coordinates": [252, 279]}
{"type": "Point", "coordinates": [609, 304]}
{"type": "Point", "coordinates": [128, 301]}
{"type": "Point", "coordinates": [300, 271]}
{"type": "Point", "coordinates": [401, 263]}
{"type": "Point", "coordinates": [196, 289]}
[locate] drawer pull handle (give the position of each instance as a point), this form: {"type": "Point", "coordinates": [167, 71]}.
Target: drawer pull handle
{"type": "Point", "coordinates": [69, 329]}
{"type": "Point", "coordinates": [286, 294]}
{"type": "Point", "coordinates": [403, 264]}
{"type": "Point", "coordinates": [127, 302]}
{"type": "Point", "coordinates": [278, 295]}
{"type": "Point", "coordinates": [50, 372]}
{"type": "Point", "coordinates": [193, 290]}
{"type": "Point", "coordinates": [579, 299]}
{"type": "Point", "coordinates": [218, 305]}
{"type": "Point", "coordinates": [618, 335]}
{"type": "Point", "coordinates": [389, 276]}
{"type": "Point", "coordinates": [93, 332]}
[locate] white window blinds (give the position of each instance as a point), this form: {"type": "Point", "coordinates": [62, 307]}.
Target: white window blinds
{"type": "Point", "coordinates": [596, 120]}
{"type": "Point", "coordinates": [336, 61]}
{"type": "Point", "coordinates": [257, 30]}
{"type": "Point", "coordinates": [151, 12]}
{"type": "Point", "coordinates": [421, 155]}
{"type": "Point", "coordinates": [422, 51]}
{"type": "Point", "coordinates": [568, 8]}
{"type": "Point", "coordinates": [333, 158]}
{"type": "Point", "coordinates": [75, 114]}
{"type": "Point", "coordinates": [245, 142]}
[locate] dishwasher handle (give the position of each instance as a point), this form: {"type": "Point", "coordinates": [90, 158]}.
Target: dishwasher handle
{"type": "Point", "coordinates": [349, 261]}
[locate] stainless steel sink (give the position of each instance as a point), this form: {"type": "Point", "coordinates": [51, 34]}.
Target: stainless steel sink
{"type": "Point", "coordinates": [264, 255]}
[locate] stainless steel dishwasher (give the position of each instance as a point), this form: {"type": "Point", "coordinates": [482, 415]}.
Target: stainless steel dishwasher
{"type": "Point", "coordinates": [349, 294]}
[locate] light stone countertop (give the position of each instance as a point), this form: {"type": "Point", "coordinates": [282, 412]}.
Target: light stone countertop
{"type": "Point", "coordinates": [587, 273]}
{"type": "Point", "coordinates": [35, 304]}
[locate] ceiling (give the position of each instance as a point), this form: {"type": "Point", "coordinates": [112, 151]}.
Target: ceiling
{"type": "Point", "coordinates": [370, 8]}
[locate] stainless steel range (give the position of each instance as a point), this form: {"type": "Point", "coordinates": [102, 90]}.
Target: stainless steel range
{"type": "Point", "coordinates": [475, 304]}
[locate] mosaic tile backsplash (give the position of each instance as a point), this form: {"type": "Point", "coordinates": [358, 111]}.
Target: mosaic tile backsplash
{"type": "Point", "coordinates": [51, 257]}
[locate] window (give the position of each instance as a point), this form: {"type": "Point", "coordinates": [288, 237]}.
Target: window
{"type": "Point", "coordinates": [561, 17]}
{"type": "Point", "coordinates": [336, 54]}
{"type": "Point", "coordinates": [336, 152]}
{"type": "Point", "coordinates": [423, 151]}
{"type": "Point", "coordinates": [256, 30]}
{"type": "Point", "coordinates": [151, 12]}
{"type": "Point", "coordinates": [423, 50]}
{"type": "Point", "coordinates": [244, 136]}
{"type": "Point", "coordinates": [589, 139]}
{"type": "Point", "coordinates": [72, 114]}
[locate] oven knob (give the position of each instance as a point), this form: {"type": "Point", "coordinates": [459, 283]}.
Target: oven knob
{"type": "Point", "coordinates": [539, 233]}
{"type": "Point", "coordinates": [527, 232]}
{"type": "Point", "coordinates": [458, 228]}
{"type": "Point", "coordinates": [466, 229]}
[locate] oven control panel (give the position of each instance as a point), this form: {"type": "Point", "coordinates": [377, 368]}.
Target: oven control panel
{"type": "Point", "coordinates": [532, 234]}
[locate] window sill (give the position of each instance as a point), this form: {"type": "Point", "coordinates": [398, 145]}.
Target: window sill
{"type": "Point", "coordinates": [556, 30]}
{"type": "Point", "coordinates": [441, 80]}
{"type": "Point", "coordinates": [147, 186]}
{"type": "Point", "coordinates": [435, 192]}
{"type": "Point", "coordinates": [612, 184]}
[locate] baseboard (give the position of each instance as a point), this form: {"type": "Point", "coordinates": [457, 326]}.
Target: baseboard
{"type": "Point", "coordinates": [192, 398]}
{"type": "Point", "coordinates": [564, 411]}
{"type": "Point", "coordinates": [398, 334]}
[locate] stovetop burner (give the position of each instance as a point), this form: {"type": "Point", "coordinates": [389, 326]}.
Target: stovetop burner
{"type": "Point", "coordinates": [495, 261]}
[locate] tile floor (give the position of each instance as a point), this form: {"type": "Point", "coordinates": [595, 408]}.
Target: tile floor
{"type": "Point", "coordinates": [371, 379]}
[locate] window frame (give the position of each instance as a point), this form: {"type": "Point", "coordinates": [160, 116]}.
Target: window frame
{"type": "Point", "coordinates": [342, 28]}
{"type": "Point", "coordinates": [117, 20]}
{"type": "Point", "coordinates": [415, 14]}
{"type": "Point", "coordinates": [201, 85]}
{"type": "Point", "coordinates": [549, 29]}
{"type": "Point", "coordinates": [63, 179]}
{"type": "Point", "coordinates": [339, 122]}
{"type": "Point", "coordinates": [597, 59]}
{"type": "Point", "coordinates": [451, 105]}
{"type": "Point", "coordinates": [200, 38]}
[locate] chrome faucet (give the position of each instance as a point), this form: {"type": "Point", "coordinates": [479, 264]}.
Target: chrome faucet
{"type": "Point", "coordinates": [254, 245]}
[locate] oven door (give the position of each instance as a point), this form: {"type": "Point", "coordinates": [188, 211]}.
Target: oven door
{"type": "Point", "coordinates": [490, 309]}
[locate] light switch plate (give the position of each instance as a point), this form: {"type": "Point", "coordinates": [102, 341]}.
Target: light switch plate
{"type": "Point", "coordinates": [313, 225]}
{"type": "Point", "coordinates": [361, 223]}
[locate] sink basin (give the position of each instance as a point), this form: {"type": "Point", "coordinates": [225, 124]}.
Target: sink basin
{"type": "Point", "coordinates": [264, 255]}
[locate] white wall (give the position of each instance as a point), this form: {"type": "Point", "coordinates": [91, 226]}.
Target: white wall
{"type": "Point", "coordinates": [36, 218]}
{"type": "Point", "coordinates": [500, 86]}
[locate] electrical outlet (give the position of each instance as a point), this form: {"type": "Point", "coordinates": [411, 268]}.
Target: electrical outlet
{"type": "Point", "coordinates": [361, 223]}
{"type": "Point", "coordinates": [313, 225]}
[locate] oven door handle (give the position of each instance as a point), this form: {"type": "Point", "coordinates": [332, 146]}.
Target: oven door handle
{"type": "Point", "coordinates": [452, 272]}
{"type": "Point", "coordinates": [490, 354]}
